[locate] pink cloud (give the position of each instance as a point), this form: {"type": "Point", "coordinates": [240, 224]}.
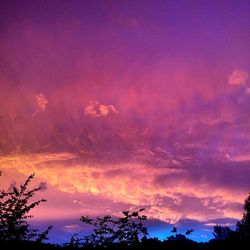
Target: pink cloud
{"type": "Point", "coordinates": [238, 77]}
{"type": "Point", "coordinates": [95, 109]}
{"type": "Point", "coordinates": [41, 102]}
{"type": "Point", "coordinates": [169, 194]}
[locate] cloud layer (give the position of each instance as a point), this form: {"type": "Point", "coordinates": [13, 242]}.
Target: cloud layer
{"type": "Point", "coordinates": [169, 193]}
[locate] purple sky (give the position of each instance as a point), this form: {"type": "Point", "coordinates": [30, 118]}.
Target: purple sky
{"type": "Point", "coordinates": [126, 104]}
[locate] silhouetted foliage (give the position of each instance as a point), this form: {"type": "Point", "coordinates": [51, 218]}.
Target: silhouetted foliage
{"type": "Point", "coordinates": [243, 226]}
{"type": "Point", "coordinates": [74, 242]}
{"type": "Point", "coordinates": [14, 211]}
{"type": "Point", "coordinates": [221, 233]}
{"type": "Point", "coordinates": [127, 230]}
{"type": "Point", "coordinates": [178, 236]}
{"type": "Point", "coordinates": [189, 231]}
{"type": "Point", "coordinates": [174, 230]}
{"type": "Point", "coordinates": [124, 233]}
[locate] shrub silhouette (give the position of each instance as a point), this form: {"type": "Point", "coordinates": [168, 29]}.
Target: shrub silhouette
{"type": "Point", "coordinates": [127, 230]}
{"type": "Point", "coordinates": [14, 212]}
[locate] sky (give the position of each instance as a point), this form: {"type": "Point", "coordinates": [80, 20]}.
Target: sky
{"type": "Point", "coordinates": [120, 105]}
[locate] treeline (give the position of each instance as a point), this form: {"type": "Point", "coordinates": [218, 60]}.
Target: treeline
{"type": "Point", "coordinates": [126, 232]}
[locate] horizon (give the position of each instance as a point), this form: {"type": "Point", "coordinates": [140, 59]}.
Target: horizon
{"type": "Point", "coordinates": [121, 105]}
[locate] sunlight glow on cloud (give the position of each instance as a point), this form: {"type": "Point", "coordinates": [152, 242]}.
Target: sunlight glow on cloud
{"type": "Point", "coordinates": [238, 77]}
{"type": "Point", "coordinates": [95, 109]}
{"type": "Point", "coordinates": [41, 102]}
{"type": "Point", "coordinates": [133, 184]}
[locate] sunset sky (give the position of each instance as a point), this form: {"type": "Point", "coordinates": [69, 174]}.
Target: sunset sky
{"type": "Point", "coordinates": [119, 105]}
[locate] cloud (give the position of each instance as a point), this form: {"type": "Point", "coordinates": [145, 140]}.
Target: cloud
{"type": "Point", "coordinates": [239, 158]}
{"type": "Point", "coordinates": [167, 194]}
{"type": "Point", "coordinates": [72, 228]}
{"type": "Point", "coordinates": [41, 102]}
{"type": "Point", "coordinates": [95, 109]}
{"type": "Point", "coordinates": [213, 224]}
{"type": "Point", "coordinates": [248, 91]}
{"type": "Point", "coordinates": [238, 77]}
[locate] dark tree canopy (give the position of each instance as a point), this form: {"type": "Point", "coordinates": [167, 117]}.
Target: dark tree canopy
{"type": "Point", "coordinates": [178, 236]}
{"type": "Point", "coordinates": [222, 233]}
{"type": "Point", "coordinates": [15, 206]}
{"type": "Point", "coordinates": [126, 230]}
{"type": "Point", "coordinates": [243, 226]}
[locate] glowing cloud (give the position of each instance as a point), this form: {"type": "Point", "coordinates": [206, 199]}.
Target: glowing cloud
{"type": "Point", "coordinates": [238, 77]}
{"type": "Point", "coordinates": [95, 109]}
{"type": "Point", "coordinates": [41, 102]}
{"type": "Point", "coordinates": [169, 194]}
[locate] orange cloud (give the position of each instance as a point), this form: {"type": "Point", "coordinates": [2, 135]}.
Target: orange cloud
{"type": "Point", "coordinates": [95, 109]}
{"type": "Point", "coordinates": [133, 184]}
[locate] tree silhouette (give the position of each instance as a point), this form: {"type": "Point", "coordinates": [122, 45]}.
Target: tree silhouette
{"type": "Point", "coordinates": [243, 226]}
{"type": "Point", "coordinates": [174, 230]}
{"type": "Point", "coordinates": [222, 233]}
{"type": "Point", "coordinates": [189, 231]}
{"type": "Point", "coordinates": [14, 211]}
{"type": "Point", "coordinates": [178, 236]}
{"type": "Point", "coordinates": [127, 230]}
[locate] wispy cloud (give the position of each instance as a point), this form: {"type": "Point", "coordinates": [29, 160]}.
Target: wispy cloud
{"type": "Point", "coordinates": [71, 228]}
{"type": "Point", "coordinates": [239, 158]}
{"type": "Point", "coordinates": [41, 103]}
